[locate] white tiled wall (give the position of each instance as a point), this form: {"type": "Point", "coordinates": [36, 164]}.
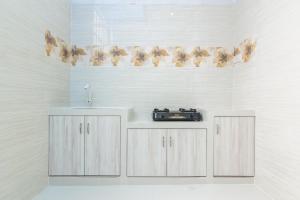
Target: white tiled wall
{"type": "Point", "coordinates": [148, 25]}
{"type": "Point", "coordinates": [270, 85]}
{"type": "Point", "coordinates": [30, 83]}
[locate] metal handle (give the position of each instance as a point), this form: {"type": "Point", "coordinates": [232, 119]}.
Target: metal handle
{"type": "Point", "coordinates": [218, 129]}
{"type": "Point", "coordinates": [163, 141]}
{"type": "Point", "coordinates": [80, 128]}
{"type": "Point", "coordinates": [88, 128]}
{"type": "Point", "coordinates": [171, 141]}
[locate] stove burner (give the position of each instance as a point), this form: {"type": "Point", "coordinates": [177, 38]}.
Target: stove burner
{"type": "Point", "coordinates": [190, 110]}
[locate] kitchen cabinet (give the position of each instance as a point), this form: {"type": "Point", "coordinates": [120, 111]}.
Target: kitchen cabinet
{"type": "Point", "coordinates": [66, 156]}
{"type": "Point", "coordinates": [234, 146]}
{"type": "Point", "coordinates": [102, 149]}
{"type": "Point", "coordinates": [166, 152]}
{"type": "Point", "coordinates": [186, 152]}
{"type": "Point", "coordinates": [84, 145]}
{"type": "Point", "coordinates": [146, 152]}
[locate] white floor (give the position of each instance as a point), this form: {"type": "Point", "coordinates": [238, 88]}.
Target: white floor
{"type": "Point", "coordinates": [176, 192]}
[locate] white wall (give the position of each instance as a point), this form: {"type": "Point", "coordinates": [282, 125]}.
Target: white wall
{"type": "Point", "coordinates": [270, 85]}
{"type": "Point", "coordinates": [147, 87]}
{"type": "Point", "coordinates": [149, 25]}
{"type": "Point", "coordinates": [30, 83]}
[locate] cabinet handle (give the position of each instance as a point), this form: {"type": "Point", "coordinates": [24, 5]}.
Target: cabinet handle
{"type": "Point", "coordinates": [88, 128]}
{"type": "Point", "coordinates": [80, 128]}
{"type": "Point", "coordinates": [218, 129]}
{"type": "Point", "coordinates": [163, 141]}
{"type": "Point", "coordinates": [171, 143]}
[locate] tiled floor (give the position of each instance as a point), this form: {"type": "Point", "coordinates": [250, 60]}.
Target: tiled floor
{"type": "Point", "coordinates": [170, 192]}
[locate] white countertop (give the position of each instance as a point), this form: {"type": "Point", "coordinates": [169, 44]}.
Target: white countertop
{"type": "Point", "coordinates": [232, 113]}
{"type": "Point", "coordinates": [207, 116]}
{"type": "Point", "coordinates": [175, 124]}
{"type": "Point", "coordinates": [89, 110]}
{"type": "Point", "coordinates": [148, 123]}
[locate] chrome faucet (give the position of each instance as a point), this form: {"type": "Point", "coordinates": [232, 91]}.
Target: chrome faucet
{"type": "Point", "coordinates": [89, 94]}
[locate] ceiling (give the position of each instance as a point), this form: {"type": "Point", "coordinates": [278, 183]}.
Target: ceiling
{"type": "Point", "coordinates": [157, 2]}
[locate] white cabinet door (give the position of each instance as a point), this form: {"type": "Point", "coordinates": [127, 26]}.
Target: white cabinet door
{"type": "Point", "coordinates": [234, 146]}
{"type": "Point", "coordinates": [66, 145]}
{"type": "Point", "coordinates": [146, 152]}
{"type": "Point", "coordinates": [186, 154]}
{"type": "Point", "coordinates": [102, 145]}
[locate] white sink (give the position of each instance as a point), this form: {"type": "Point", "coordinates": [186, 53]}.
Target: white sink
{"type": "Point", "coordinates": [89, 111]}
{"type": "Point", "coordinates": [97, 108]}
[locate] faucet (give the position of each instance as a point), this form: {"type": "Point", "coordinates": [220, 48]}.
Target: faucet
{"type": "Point", "coordinates": [89, 94]}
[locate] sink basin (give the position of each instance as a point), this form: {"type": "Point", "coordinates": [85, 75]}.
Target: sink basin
{"type": "Point", "coordinates": [88, 110]}
{"type": "Point", "coordinates": [95, 107]}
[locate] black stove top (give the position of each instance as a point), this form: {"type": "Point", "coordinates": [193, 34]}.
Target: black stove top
{"type": "Point", "coordinates": [176, 115]}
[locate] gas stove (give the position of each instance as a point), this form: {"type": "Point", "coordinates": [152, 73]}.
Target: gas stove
{"type": "Point", "coordinates": [178, 115]}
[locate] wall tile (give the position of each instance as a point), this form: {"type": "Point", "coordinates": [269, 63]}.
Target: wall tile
{"type": "Point", "coordinates": [30, 83]}
{"type": "Point", "coordinates": [270, 85]}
